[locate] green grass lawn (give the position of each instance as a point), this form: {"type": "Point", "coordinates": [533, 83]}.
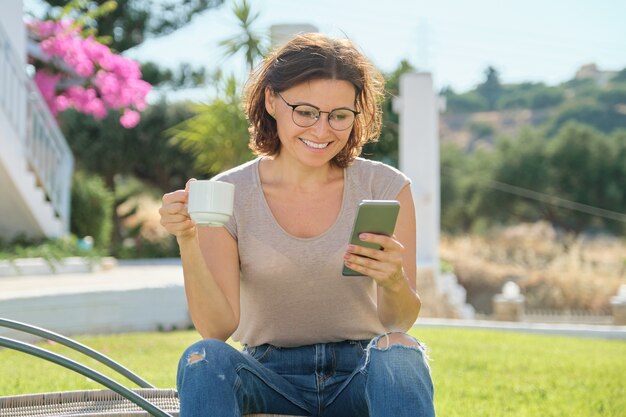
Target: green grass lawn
{"type": "Point", "coordinates": [476, 373]}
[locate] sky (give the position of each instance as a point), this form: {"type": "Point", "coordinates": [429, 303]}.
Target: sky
{"type": "Point", "coordinates": [456, 40]}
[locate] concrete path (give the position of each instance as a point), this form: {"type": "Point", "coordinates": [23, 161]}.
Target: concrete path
{"type": "Point", "coordinates": [149, 295]}
{"type": "Point", "coordinates": [133, 296]}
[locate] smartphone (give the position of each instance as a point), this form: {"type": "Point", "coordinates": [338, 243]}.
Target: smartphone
{"type": "Point", "coordinates": [373, 216]}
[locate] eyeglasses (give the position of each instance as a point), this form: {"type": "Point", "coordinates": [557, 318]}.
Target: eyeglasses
{"type": "Point", "coordinates": [306, 115]}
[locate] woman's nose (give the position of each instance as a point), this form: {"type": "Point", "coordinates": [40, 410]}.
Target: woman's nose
{"type": "Point", "coordinates": [323, 123]}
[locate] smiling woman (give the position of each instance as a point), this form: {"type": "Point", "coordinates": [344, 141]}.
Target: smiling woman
{"type": "Point", "coordinates": [315, 342]}
{"type": "Point", "coordinates": [330, 61]}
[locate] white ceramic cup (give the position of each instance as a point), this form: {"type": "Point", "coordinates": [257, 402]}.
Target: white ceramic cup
{"type": "Point", "coordinates": [210, 202]}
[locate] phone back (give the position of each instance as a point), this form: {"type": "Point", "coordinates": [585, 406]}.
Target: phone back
{"type": "Point", "coordinates": [374, 216]}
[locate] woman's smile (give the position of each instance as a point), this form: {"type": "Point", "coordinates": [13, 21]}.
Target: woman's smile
{"type": "Point", "coordinates": [315, 145]}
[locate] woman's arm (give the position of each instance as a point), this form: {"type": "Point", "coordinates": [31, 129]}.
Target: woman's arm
{"type": "Point", "coordinates": [210, 267]}
{"type": "Point", "coordinates": [394, 268]}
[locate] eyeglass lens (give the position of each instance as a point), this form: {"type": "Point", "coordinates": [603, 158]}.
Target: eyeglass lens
{"type": "Point", "coordinates": [339, 119]}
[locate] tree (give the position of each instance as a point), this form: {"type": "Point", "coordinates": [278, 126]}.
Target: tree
{"type": "Point", "coordinates": [128, 23]}
{"type": "Point", "coordinates": [605, 116]}
{"type": "Point", "coordinates": [490, 89]}
{"type": "Point", "coordinates": [131, 22]}
{"type": "Point", "coordinates": [620, 77]}
{"type": "Point", "coordinates": [581, 170]}
{"type": "Point", "coordinates": [104, 148]}
{"type": "Point", "coordinates": [519, 163]}
{"type": "Point", "coordinates": [469, 102]}
{"type": "Point", "coordinates": [100, 146]}
{"type": "Point", "coordinates": [386, 147]}
{"type": "Point", "coordinates": [454, 184]}
{"type": "Point", "coordinates": [217, 135]}
{"type": "Point", "coordinates": [74, 70]}
{"type": "Point", "coordinates": [253, 45]}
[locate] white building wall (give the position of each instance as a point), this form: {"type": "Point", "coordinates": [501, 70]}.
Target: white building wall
{"type": "Point", "coordinates": [12, 21]}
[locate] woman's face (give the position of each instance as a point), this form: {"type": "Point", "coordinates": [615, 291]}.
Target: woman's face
{"type": "Point", "coordinates": [315, 145]}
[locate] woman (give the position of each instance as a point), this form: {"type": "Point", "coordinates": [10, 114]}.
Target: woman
{"type": "Point", "coordinates": [315, 342]}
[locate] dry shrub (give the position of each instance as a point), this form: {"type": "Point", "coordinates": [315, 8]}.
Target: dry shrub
{"type": "Point", "coordinates": [554, 272]}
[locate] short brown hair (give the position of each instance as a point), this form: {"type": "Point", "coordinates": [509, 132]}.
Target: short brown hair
{"type": "Point", "coordinates": [315, 57]}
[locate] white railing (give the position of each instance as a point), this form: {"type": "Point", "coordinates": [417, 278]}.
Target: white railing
{"type": "Point", "coordinates": [44, 145]}
{"type": "Point", "coordinates": [568, 316]}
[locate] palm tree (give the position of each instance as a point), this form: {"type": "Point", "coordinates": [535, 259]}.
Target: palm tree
{"type": "Point", "coordinates": [251, 43]}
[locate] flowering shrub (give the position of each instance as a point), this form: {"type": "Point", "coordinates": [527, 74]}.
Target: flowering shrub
{"type": "Point", "coordinates": [79, 72]}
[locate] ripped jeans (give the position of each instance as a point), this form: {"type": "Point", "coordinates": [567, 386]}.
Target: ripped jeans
{"type": "Point", "coordinates": [344, 379]}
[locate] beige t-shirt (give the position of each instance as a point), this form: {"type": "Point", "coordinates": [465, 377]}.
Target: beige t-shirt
{"type": "Point", "coordinates": [292, 290]}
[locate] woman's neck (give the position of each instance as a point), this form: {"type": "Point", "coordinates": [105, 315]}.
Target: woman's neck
{"type": "Point", "coordinates": [292, 174]}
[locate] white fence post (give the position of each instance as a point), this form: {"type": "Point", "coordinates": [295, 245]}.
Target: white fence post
{"type": "Point", "coordinates": [618, 306]}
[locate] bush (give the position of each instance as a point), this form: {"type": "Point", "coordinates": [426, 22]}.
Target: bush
{"type": "Point", "coordinates": [141, 248]}
{"type": "Point", "coordinates": [92, 208]}
{"type": "Point", "coordinates": [582, 276]}
{"type": "Point", "coordinates": [49, 249]}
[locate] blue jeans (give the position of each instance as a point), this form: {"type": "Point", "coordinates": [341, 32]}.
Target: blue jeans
{"type": "Point", "coordinates": [351, 378]}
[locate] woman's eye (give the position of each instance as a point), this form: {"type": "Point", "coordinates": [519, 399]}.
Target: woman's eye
{"type": "Point", "coordinates": [310, 114]}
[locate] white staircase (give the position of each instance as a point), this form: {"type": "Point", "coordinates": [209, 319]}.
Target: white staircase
{"type": "Point", "coordinates": [36, 163]}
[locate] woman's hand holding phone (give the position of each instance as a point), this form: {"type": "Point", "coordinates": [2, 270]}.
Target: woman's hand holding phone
{"type": "Point", "coordinates": [383, 265]}
{"type": "Point", "coordinates": [373, 250]}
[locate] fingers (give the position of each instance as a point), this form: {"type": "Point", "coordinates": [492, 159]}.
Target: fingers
{"type": "Point", "coordinates": [389, 246]}
{"type": "Point", "coordinates": [188, 182]}
{"type": "Point", "coordinates": [383, 265]}
{"type": "Point", "coordinates": [174, 216]}
{"type": "Point", "coordinates": [175, 196]}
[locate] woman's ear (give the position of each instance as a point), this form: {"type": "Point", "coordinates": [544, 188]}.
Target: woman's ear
{"type": "Point", "coordinates": [270, 101]}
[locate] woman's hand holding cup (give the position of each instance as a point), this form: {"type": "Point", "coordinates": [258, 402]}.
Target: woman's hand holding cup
{"type": "Point", "coordinates": [174, 215]}
{"type": "Point", "coordinates": [201, 203]}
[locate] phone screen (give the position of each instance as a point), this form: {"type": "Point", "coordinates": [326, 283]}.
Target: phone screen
{"type": "Point", "coordinates": [373, 216]}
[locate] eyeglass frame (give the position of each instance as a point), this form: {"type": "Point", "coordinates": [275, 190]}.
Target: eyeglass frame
{"type": "Point", "coordinates": [293, 109]}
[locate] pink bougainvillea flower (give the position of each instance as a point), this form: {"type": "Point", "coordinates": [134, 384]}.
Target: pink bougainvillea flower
{"type": "Point", "coordinates": [94, 79]}
{"type": "Point", "coordinates": [129, 119]}
{"type": "Point", "coordinates": [47, 83]}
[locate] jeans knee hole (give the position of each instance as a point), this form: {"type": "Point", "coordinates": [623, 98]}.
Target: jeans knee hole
{"type": "Point", "coordinates": [390, 340]}
{"type": "Point", "coordinates": [195, 357]}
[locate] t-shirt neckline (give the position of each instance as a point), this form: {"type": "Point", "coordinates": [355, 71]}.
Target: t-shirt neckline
{"type": "Point", "coordinates": [268, 210]}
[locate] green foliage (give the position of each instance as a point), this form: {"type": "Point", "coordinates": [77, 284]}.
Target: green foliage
{"type": "Point", "coordinates": [582, 168]}
{"type": "Point", "coordinates": [481, 129]}
{"type": "Point", "coordinates": [131, 22]}
{"type": "Point", "coordinates": [614, 97]}
{"type": "Point", "coordinates": [620, 77]}
{"type": "Point", "coordinates": [124, 24]}
{"type": "Point", "coordinates": [533, 96]}
{"type": "Point", "coordinates": [91, 209]}
{"type": "Point", "coordinates": [386, 148]}
{"type": "Point", "coordinates": [134, 242]}
{"type": "Point", "coordinates": [463, 179]}
{"type": "Point", "coordinates": [140, 248]}
{"type": "Point", "coordinates": [217, 135]}
{"type": "Point", "coordinates": [521, 163]}
{"type": "Point", "coordinates": [604, 116]}
{"type": "Point", "coordinates": [48, 249]}
{"type": "Point", "coordinates": [455, 216]}
{"type": "Point", "coordinates": [104, 148]}
{"type": "Point", "coordinates": [567, 180]}
{"type": "Point", "coordinates": [184, 77]}
{"type": "Point", "coordinates": [252, 44]}
{"type": "Point", "coordinates": [470, 102]}
{"type": "Point", "coordinates": [506, 374]}
{"type": "Point", "coordinates": [162, 163]}
{"type": "Point", "coordinates": [490, 89]}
